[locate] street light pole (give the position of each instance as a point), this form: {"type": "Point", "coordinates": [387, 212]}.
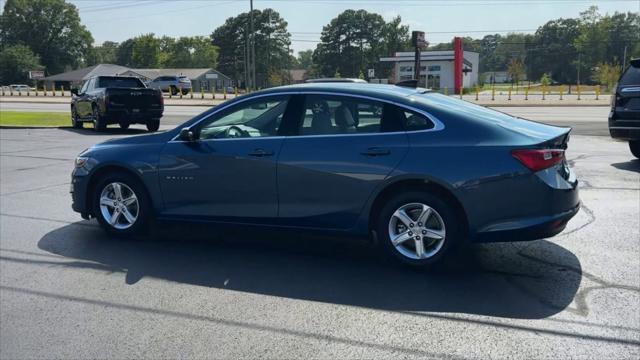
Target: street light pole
{"type": "Point", "coordinates": [253, 48]}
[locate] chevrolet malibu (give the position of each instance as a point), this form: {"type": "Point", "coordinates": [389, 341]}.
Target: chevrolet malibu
{"type": "Point", "coordinates": [421, 172]}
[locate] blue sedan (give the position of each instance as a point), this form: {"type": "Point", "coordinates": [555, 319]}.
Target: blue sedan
{"type": "Point", "coordinates": [422, 172]}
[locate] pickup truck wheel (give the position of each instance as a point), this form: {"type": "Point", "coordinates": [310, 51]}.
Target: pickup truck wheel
{"type": "Point", "coordinates": [634, 146]}
{"type": "Point", "coordinates": [74, 119]}
{"type": "Point", "coordinates": [124, 125]}
{"type": "Point", "coordinates": [98, 121]}
{"type": "Point", "coordinates": [153, 125]}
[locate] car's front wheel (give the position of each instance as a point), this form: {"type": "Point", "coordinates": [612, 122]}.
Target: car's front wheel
{"type": "Point", "coordinates": [418, 229]}
{"type": "Point", "coordinates": [75, 122]}
{"type": "Point", "coordinates": [121, 205]}
{"type": "Point", "coordinates": [634, 146]}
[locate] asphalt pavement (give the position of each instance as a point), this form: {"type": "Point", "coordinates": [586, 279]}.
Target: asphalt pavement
{"type": "Point", "coordinates": [67, 290]}
{"type": "Point", "coordinates": [586, 120]}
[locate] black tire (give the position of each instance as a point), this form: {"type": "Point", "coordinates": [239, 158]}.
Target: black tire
{"type": "Point", "coordinates": [634, 146]}
{"type": "Point", "coordinates": [185, 92]}
{"type": "Point", "coordinates": [143, 214]}
{"type": "Point", "coordinates": [453, 227]}
{"type": "Point", "coordinates": [99, 123]}
{"type": "Point", "coordinates": [153, 125]}
{"type": "Point", "coordinates": [74, 119]}
{"type": "Point", "coordinates": [173, 90]}
{"type": "Point", "coordinates": [124, 125]}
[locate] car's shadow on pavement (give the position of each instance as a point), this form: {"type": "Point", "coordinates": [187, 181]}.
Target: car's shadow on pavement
{"type": "Point", "coordinates": [631, 165]}
{"type": "Point", "coordinates": [517, 280]}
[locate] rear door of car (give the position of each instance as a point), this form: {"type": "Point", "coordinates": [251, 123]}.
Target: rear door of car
{"type": "Point", "coordinates": [342, 148]}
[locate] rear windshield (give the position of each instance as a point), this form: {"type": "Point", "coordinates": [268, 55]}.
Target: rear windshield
{"type": "Point", "coordinates": [631, 76]}
{"type": "Point", "coordinates": [114, 82]}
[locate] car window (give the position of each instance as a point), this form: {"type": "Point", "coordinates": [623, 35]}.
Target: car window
{"type": "Point", "coordinates": [252, 119]}
{"type": "Point", "coordinates": [84, 87]}
{"type": "Point", "coordinates": [90, 85]}
{"type": "Point", "coordinates": [631, 76]}
{"type": "Point", "coordinates": [325, 115]}
{"type": "Point", "coordinates": [119, 82]}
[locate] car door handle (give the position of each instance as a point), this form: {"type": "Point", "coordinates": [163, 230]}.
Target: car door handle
{"type": "Point", "coordinates": [261, 153]}
{"type": "Point", "coordinates": [375, 151]}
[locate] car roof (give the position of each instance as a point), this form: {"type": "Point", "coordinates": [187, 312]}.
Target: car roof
{"type": "Point", "coordinates": [381, 91]}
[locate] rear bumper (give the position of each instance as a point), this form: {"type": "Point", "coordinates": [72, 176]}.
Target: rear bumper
{"type": "Point", "coordinates": [529, 229]}
{"type": "Point", "coordinates": [117, 115]}
{"type": "Point", "coordinates": [627, 128]}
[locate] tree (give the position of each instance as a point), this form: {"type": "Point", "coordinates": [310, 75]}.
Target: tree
{"type": "Point", "coordinates": [50, 28]}
{"type": "Point", "coordinates": [271, 40]}
{"type": "Point", "coordinates": [516, 70]}
{"type": "Point", "coordinates": [190, 52]}
{"type": "Point", "coordinates": [104, 54]}
{"type": "Point", "coordinates": [305, 59]}
{"type": "Point", "coordinates": [16, 62]}
{"type": "Point", "coordinates": [552, 50]}
{"type": "Point", "coordinates": [607, 74]}
{"type": "Point", "coordinates": [124, 54]}
{"type": "Point", "coordinates": [351, 42]}
{"type": "Point", "coordinates": [145, 51]}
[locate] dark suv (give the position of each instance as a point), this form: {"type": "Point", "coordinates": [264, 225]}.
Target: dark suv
{"type": "Point", "coordinates": [624, 119]}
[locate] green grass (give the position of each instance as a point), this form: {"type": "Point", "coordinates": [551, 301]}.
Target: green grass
{"type": "Point", "coordinates": [20, 118]}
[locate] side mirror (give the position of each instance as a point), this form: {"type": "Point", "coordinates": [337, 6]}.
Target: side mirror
{"type": "Point", "coordinates": [187, 135]}
{"type": "Point", "coordinates": [74, 92]}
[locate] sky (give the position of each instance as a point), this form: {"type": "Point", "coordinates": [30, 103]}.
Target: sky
{"type": "Point", "coordinates": [118, 20]}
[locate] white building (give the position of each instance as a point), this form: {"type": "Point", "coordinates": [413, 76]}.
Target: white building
{"type": "Point", "coordinates": [437, 70]}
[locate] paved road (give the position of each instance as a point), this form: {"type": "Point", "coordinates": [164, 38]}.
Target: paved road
{"type": "Point", "coordinates": [587, 120]}
{"type": "Point", "coordinates": [69, 291]}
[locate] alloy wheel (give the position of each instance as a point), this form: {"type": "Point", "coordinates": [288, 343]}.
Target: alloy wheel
{"type": "Point", "coordinates": [119, 205]}
{"type": "Point", "coordinates": [417, 231]}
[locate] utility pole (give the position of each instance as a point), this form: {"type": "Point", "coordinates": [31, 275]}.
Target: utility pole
{"type": "Point", "coordinates": [246, 58]}
{"type": "Point", "coordinates": [579, 58]}
{"type": "Point", "coordinates": [253, 48]}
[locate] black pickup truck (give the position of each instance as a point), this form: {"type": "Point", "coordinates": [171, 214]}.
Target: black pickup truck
{"type": "Point", "coordinates": [121, 100]}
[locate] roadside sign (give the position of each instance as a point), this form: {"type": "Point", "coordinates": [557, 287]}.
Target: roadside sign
{"type": "Point", "coordinates": [36, 74]}
{"type": "Point", "coordinates": [371, 73]}
{"type": "Point", "coordinates": [418, 39]}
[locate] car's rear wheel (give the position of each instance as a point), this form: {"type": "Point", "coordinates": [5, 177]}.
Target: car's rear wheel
{"type": "Point", "coordinates": [153, 125]}
{"type": "Point", "coordinates": [121, 205]}
{"type": "Point", "coordinates": [634, 146]}
{"type": "Point", "coordinates": [418, 229]}
{"type": "Point", "coordinates": [75, 122]}
{"type": "Point", "coordinates": [99, 123]}
{"type": "Point", "coordinates": [185, 92]}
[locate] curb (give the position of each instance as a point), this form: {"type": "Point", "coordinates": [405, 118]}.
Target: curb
{"type": "Point", "coordinates": [32, 127]}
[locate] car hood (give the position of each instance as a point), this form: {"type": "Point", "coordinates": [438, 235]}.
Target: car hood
{"type": "Point", "coordinates": [161, 137]}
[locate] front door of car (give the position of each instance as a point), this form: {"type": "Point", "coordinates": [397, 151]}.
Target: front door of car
{"type": "Point", "coordinates": [229, 172]}
{"type": "Point", "coordinates": [83, 106]}
{"type": "Point", "coordinates": [344, 148]}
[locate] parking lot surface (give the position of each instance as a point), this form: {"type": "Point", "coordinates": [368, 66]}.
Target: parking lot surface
{"type": "Point", "coordinates": [67, 290]}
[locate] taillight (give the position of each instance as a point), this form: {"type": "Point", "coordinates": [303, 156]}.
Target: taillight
{"type": "Point", "coordinates": [538, 159]}
{"type": "Point", "coordinates": [161, 98]}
